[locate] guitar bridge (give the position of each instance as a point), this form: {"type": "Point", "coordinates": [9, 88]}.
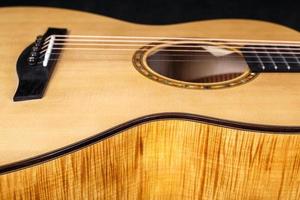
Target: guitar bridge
{"type": "Point", "coordinates": [35, 66]}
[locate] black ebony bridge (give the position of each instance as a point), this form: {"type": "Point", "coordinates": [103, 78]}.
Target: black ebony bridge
{"type": "Point", "coordinates": [33, 73]}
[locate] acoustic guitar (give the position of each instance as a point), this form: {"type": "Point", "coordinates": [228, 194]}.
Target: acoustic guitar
{"type": "Point", "coordinates": [96, 108]}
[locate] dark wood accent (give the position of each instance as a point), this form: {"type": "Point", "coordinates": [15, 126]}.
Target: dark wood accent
{"type": "Point", "coordinates": [33, 76]}
{"type": "Point", "coordinates": [267, 129]}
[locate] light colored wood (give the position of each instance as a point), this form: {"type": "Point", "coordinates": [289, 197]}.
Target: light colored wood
{"type": "Point", "coordinates": [170, 159]}
{"type": "Point", "coordinates": [87, 97]}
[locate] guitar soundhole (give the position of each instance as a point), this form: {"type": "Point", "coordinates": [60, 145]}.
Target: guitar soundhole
{"type": "Point", "coordinates": [194, 65]}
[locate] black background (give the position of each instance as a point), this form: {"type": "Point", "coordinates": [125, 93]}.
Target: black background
{"type": "Point", "coordinates": [168, 11]}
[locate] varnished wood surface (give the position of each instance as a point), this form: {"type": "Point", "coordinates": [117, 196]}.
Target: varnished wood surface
{"type": "Point", "coordinates": [170, 159]}
{"type": "Point", "coordinates": [90, 96]}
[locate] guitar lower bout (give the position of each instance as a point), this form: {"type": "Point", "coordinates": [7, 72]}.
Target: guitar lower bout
{"type": "Point", "coordinates": [172, 154]}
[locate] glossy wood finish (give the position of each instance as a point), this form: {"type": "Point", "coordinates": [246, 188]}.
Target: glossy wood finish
{"type": "Point", "coordinates": [169, 159]}
{"type": "Point", "coordinates": [162, 159]}
{"type": "Point", "coordinates": [90, 96]}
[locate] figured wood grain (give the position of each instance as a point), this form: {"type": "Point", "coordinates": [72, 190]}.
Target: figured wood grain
{"type": "Point", "coordinates": [170, 159]}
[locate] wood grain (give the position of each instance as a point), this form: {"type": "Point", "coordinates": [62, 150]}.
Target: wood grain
{"type": "Point", "coordinates": [170, 159]}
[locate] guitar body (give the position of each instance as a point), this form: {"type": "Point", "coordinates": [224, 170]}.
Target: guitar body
{"type": "Point", "coordinates": [103, 130]}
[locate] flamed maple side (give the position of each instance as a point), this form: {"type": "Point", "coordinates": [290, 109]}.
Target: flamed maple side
{"type": "Point", "coordinates": [170, 159]}
{"type": "Point", "coordinates": [195, 157]}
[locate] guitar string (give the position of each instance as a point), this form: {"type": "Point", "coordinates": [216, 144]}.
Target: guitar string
{"type": "Point", "coordinates": [185, 55]}
{"type": "Point", "coordinates": [192, 60]}
{"type": "Point", "coordinates": [257, 42]}
{"type": "Point", "coordinates": [185, 41]}
{"type": "Point", "coordinates": [203, 57]}
{"type": "Point", "coordinates": [200, 60]}
{"type": "Point", "coordinates": [169, 50]}
{"type": "Point", "coordinates": [175, 45]}
{"type": "Point", "coordinates": [172, 46]}
{"type": "Point", "coordinates": [154, 39]}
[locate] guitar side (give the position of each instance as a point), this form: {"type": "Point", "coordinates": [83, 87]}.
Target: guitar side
{"type": "Point", "coordinates": [174, 159]}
